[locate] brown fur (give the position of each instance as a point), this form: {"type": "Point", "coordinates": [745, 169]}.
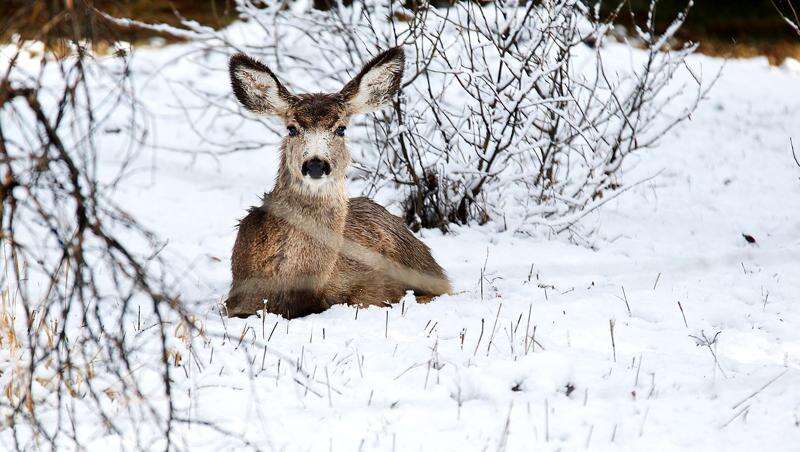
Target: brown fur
{"type": "Point", "coordinates": [308, 246]}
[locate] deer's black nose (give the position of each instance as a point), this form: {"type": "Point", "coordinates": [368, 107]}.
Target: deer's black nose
{"type": "Point", "coordinates": [315, 168]}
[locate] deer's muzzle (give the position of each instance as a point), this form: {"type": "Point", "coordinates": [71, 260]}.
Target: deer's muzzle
{"type": "Point", "coordinates": [316, 168]}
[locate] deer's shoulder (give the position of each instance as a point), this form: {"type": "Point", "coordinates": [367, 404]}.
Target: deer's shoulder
{"type": "Point", "coordinates": [259, 220]}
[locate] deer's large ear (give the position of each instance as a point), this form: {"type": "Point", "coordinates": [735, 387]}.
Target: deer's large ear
{"type": "Point", "coordinates": [376, 84]}
{"type": "Point", "coordinates": [257, 88]}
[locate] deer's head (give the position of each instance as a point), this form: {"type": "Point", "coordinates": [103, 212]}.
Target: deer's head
{"type": "Point", "coordinates": [314, 154]}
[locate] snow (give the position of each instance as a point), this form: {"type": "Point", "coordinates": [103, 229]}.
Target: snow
{"type": "Point", "coordinates": [455, 374]}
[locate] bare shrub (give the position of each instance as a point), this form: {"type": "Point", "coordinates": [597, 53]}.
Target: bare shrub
{"type": "Point", "coordinates": [87, 315]}
{"type": "Point", "coordinates": [510, 111]}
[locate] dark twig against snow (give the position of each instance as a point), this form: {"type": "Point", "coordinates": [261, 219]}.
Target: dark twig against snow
{"type": "Point", "coordinates": [760, 389]}
{"type": "Point", "coordinates": [709, 343]}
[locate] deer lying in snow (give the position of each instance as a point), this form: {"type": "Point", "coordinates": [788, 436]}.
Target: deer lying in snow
{"type": "Point", "coordinates": [308, 246]}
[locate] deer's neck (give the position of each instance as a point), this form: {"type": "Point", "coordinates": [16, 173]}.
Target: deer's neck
{"type": "Point", "coordinates": [317, 213]}
{"type": "Point", "coordinates": [314, 228]}
{"type": "Point", "coordinates": [329, 199]}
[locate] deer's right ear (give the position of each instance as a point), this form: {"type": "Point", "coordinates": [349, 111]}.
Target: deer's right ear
{"type": "Point", "coordinates": [257, 88]}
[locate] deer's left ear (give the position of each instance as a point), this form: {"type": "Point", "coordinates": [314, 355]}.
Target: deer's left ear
{"type": "Point", "coordinates": [376, 84]}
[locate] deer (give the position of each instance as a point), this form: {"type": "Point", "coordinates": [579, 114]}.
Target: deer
{"type": "Point", "coordinates": [308, 246]}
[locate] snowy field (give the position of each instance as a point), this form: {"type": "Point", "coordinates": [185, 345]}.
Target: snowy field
{"type": "Point", "coordinates": [658, 327]}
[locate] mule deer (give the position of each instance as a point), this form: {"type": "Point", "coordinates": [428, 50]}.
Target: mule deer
{"type": "Point", "coordinates": [308, 246]}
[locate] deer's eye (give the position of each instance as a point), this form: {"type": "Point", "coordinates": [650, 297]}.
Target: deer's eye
{"type": "Point", "coordinates": [340, 130]}
{"type": "Point", "coordinates": [292, 131]}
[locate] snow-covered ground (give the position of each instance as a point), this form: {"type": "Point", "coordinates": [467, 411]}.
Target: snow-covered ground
{"type": "Point", "coordinates": [521, 356]}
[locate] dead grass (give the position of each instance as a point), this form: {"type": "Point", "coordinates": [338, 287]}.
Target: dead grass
{"type": "Point", "coordinates": [50, 21]}
{"type": "Point", "coordinates": [775, 51]}
{"type": "Point", "coordinates": [29, 22]}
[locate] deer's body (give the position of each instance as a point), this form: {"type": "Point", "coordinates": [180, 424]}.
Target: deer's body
{"type": "Point", "coordinates": [272, 258]}
{"type": "Point", "coordinates": [308, 246]}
